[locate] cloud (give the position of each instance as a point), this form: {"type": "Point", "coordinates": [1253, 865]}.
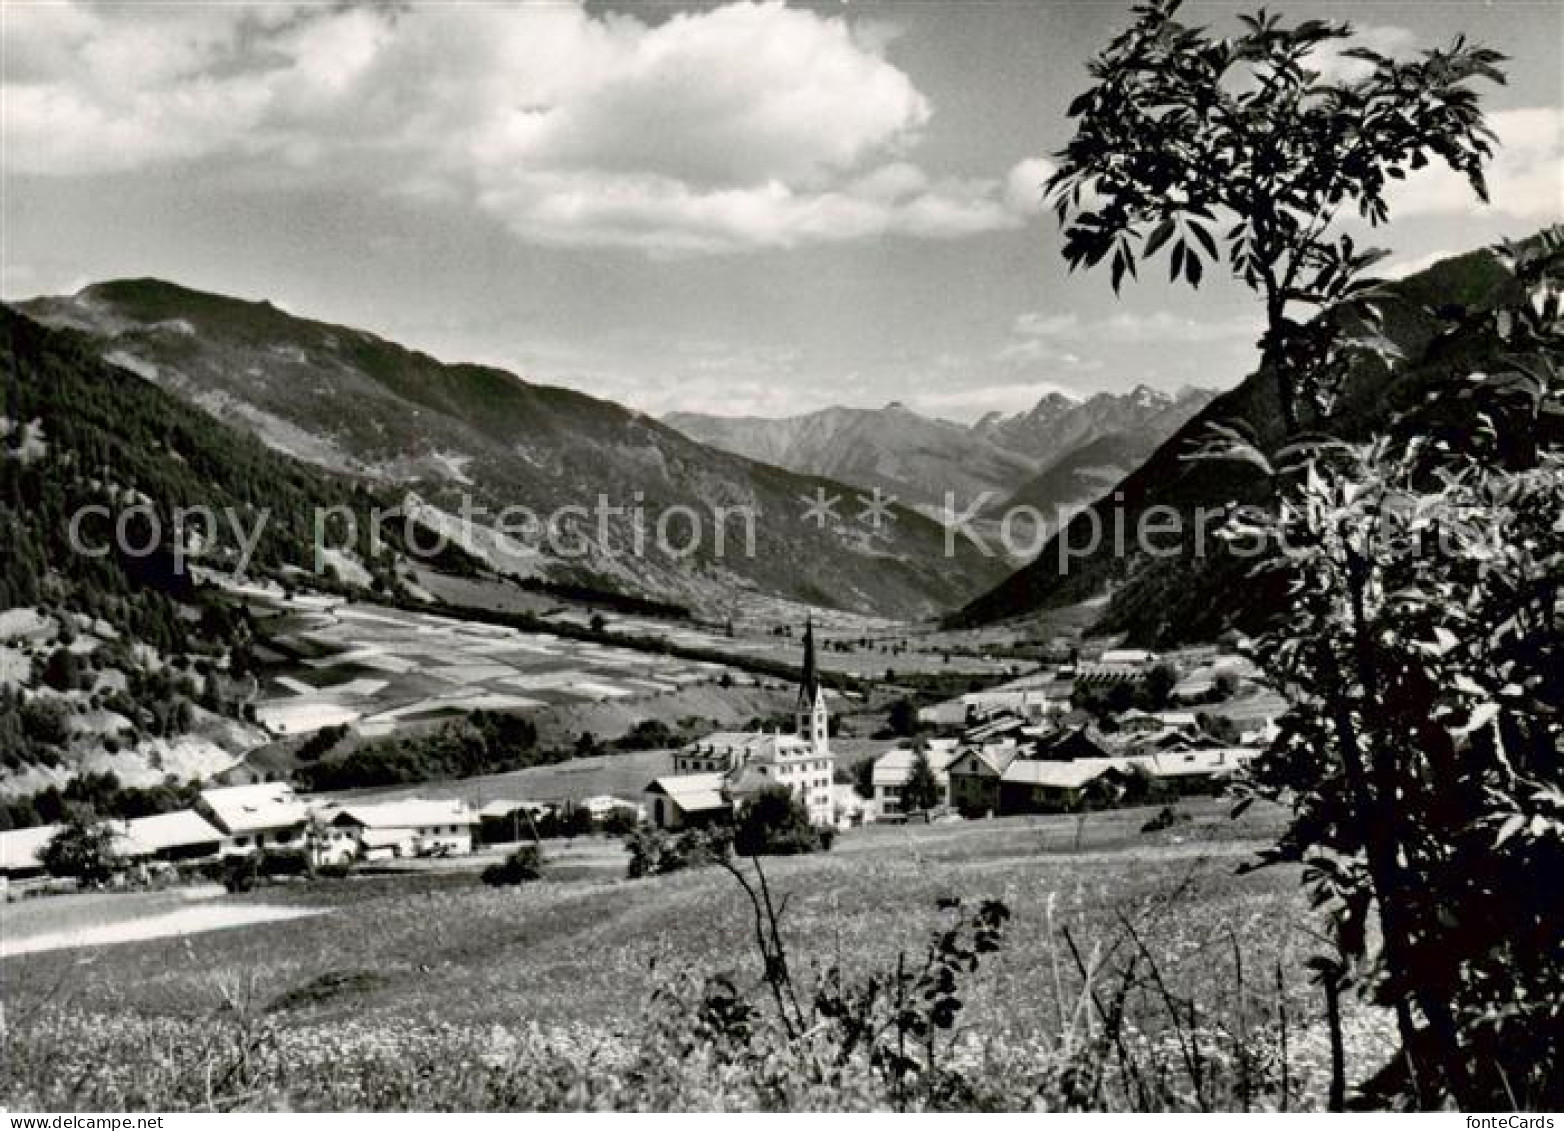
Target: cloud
{"type": "Point", "coordinates": [1024, 185]}
{"type": "Point", "coordinates": [1398, 43]}
{"type": "Point", "coordinates": [1159, 327]}
{"type": "Point", "coordinates": [1525, 178]}
{"type": "Point", "coordinates": [748, 125]}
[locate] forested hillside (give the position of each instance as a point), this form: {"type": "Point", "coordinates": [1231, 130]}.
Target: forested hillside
{"type": "Point", "coordinates": [115, 644]}
{"type": "Point", "coordinates": [349, 402]}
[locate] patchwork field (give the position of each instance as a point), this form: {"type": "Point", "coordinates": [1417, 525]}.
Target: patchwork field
{"type": "Point", "coordinates": [431, 990]}
{"type": "Point", "coordinates": [379, 668]}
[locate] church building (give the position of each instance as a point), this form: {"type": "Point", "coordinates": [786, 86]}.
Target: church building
{"type": "Point", "coordinates": [716, 775]}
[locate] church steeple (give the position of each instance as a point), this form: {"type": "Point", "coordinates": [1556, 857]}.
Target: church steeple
{"type": "Point", "coordinates": [812, 721]}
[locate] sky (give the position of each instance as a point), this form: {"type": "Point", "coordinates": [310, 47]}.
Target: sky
{"type": "Point", "coordinates": [738, 208]}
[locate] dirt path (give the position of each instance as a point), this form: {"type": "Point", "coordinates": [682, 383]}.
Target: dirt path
{"type": "Point", "coordinates": [64, 922]}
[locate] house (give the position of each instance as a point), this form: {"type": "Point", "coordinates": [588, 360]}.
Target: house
{"type": "Point", "coordinates": [974, 778]}
{"type": "Point", "coordinates": [182, 835]}
{"type": "Point", "coordinates": [893, 769]}
{"type": "Point", "coordinates": [1027, 702]}
{"type": "Point", "coordinates": [20, 849]}
{"type": "Point", "coordinates": [395, 829]}
{"type": "Point", "coordinates": [1198, 771]}
{"type": "Point", "coordinates": [262, 815]}
{"type": "Point", "coordinates": [714, 776]}
{"type": "Point", "coordinates": [1068, 745]}
{"type": "Point", "coordinates": [682, 801]}
{"type": "Point", "coordinates": [1031, 786]}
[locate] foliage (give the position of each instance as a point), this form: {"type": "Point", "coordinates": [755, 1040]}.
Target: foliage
{"type": "Point", "coordinates": [83, 849]}
{"type": "Point", "coordinates": [103, 793]}
{"type": "Point", "coordinates": [648, 734]}
{"type": "Point", "coordinates": [863, 778]}
{"type": "Point", "coordinates": [1423, 659]}
{"type": "Point", "coordinates": [902, 718]}
{"type": "Point", "coordinates": [655, 852]}
{"type": "Point", "coordinates": [775, 823]}
{"type": "Point", "coordinates": [1184, 132]}
{"type": "Point", "coordinates": [523, 865]}
{"type": "Point", "coordinates": [898, 1025]}
{"type": "Point", "coordinates": [922, 791]}
{"type": "Point", "coordinates": [1157, 687]}
{"type": "Point", "coordinates": [482, 743]}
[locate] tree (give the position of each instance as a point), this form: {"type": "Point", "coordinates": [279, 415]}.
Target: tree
{"type": "Point", "coordinates": [863, 778]}
{"type": "Point", "coordinates": [902, 718]}
{"type": "Point", "coordinates": [83, 849]}
{"type": "Point", "coordinates": [1157, 687]}
{"type": "Point", "coordinates": [1422, 655]}
{"type": "Point", "coordinates": [922, 791]}
{"type": "Point", "coordinates": [1184, 132]}
{"type": "Point", "coordinates": [775, 823]}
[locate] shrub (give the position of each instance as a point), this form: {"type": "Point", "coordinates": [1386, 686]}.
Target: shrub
{"type": "Point", "coordinates": [654, 852]}
{"type": "Point", "coordinates": [240, 873]}
{"type": "Point", "coordinates": [775, 823]}
{"type": "Point", "coordinates": [522, 866]}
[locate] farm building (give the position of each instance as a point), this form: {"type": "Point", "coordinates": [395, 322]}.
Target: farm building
{"type": "Point", "coordinates": [263, 815]}
{"type": "Point", "coordinates": [1031, 786]}
{"type": "Point", "coordinates": [395, 830]}
{"type": "Point", "coordinates": [684, 801]}
{"type": "Point", "coordinates": [19, 849]}
{"type": "Point", "coordinates": [184, 835]}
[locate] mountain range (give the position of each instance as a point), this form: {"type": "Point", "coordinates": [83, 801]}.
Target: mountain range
{"type": "Point", "coordinates": [925, 461]}
{"type": "Point", "coordinates": [446, 435]}
{"type": "Point", "coordinates": [1191, 591]}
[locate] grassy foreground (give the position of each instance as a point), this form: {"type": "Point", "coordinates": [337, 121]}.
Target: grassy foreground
{"type": "Point", "coordinates": [431, 991]}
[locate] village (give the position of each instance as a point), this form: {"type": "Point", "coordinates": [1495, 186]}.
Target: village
{"type": "Point", "coordinates": [1066, 737]}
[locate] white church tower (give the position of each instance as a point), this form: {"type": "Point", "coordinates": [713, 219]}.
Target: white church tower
{"type": "Point", "coordinates": [814, 725]}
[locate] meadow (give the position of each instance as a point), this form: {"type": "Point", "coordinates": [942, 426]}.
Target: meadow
{"type": "Point", "coordinates": [430, 990]}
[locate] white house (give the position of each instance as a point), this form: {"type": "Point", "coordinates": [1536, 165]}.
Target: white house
{"type": "Point", "coordinates": [893, 769]}
{"type": "Point", "coordinates": [262, 815]}
{"type": "Point", "coordinates": [395, 829]}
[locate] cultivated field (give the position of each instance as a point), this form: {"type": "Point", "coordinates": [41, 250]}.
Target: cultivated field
{"type": "Point", "coordinates": [382, 668]}
{"type": "Point", "coordinates": [431, 990]}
